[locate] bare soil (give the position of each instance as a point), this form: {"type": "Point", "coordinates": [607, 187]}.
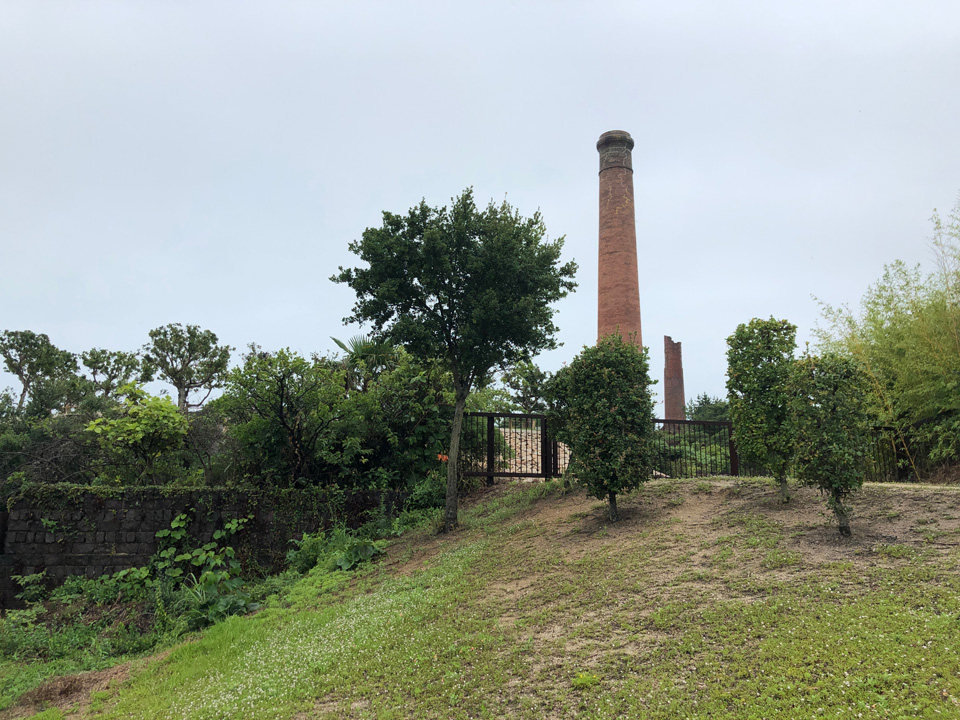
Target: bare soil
{"type": "Point", "coordinates": [72, 692]}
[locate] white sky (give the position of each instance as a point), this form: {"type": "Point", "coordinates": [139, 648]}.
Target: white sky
{"type": "Point", "coordinates": [208, 162]}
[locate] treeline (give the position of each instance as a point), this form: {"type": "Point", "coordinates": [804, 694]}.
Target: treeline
{"type": "Point", "coordinates": [372, 419]}
{"type": "Point", "coordinates": [905, 336]}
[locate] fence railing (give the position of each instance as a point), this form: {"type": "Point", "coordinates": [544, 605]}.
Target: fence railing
{"type": "Point", "coordinates": [882, 460]}
{"type": "Point", "coordinates": [694, 448]}
{"type": "Point", "coordinates": [510, 445]}
{"type": "Point", "coordinates": [521, 445]}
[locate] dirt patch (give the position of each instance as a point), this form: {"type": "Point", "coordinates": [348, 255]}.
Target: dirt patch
{"type": "Point", "coordinates": [949, 475]}
{"type": "Point", "coordinates": [64, 693]}
{"type": "Point", "coordinates": [672, 542]}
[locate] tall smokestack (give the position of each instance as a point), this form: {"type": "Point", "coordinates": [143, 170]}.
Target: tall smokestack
{"type": "Point", "coordinates": [674, 398]}
{"type": "Point", "coordinates": [618, 306]}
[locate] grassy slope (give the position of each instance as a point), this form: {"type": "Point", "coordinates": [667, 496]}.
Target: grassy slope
{"type": "Point", "coordinates": [708, 600]}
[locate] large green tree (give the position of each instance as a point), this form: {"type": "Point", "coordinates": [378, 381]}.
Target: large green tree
{"type": "Point", "coordinates": [759, 363]}
{"type": "Point", "coordinates": [471, 287]}
{"type": "Point", "coordinates": [188, 358]}
{"type": "Point", "coordinates": [603, 408]}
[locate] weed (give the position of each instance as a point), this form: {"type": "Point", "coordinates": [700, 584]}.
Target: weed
{"type": "Point", "coordinates": [776, 559]}
{"type": "Point", "coordinates": [585, 681]}
{"type": "Point", "coordinates": [722, 557]}
{"type": "Point", "coordinates": [896, 551]}
{"type": "Point", "coordinates": [32, 587]}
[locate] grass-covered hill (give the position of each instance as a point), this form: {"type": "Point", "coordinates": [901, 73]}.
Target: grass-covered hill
{"type": "Point", "coordinates": [709, 599]}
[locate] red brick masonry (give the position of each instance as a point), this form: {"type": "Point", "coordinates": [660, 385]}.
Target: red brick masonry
{"type": "Point", "coordinates": [618, 306]}
{"type": "Point", "coordinates": [673, 380]}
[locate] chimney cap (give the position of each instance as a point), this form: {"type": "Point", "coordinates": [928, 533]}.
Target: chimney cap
{"type": "Point", "coordinates": [615, 137]}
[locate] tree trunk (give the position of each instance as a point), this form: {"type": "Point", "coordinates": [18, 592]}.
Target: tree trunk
{"type": "Point", "coordinates": [612, 498]}
{"type": "Point", "coordinates": [450, 521]}
{"type": "Point", "coordinates": [182, 393]}
{"type": "Point", "coordinates": [784, 488]}
{"type": "Point", "coordinates": [840, 512]}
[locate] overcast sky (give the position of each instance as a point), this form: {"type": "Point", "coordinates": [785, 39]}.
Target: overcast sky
{"type": "Point", "coordinates": [208, 162]}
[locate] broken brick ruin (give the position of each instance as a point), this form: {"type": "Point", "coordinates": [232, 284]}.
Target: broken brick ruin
{"type": "Point", "coordinates": [674, 398]}
{"type": "Point", "coordinates": [618, 307]}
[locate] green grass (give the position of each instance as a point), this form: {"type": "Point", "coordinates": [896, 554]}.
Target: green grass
{"type": "Point", "coordinates": [515, 617]}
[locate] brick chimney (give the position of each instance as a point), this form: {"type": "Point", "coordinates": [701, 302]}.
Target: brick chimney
{"type": "Point", "coordinates": [618, 306]}
{"type": "Point", "coordinates": [674, 398]}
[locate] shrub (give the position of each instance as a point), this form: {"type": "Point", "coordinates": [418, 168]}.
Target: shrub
{"type": "Point", "coordinates": [759, 362]}
{"type": "Point", "coordinates": [829, 413]}
{"type": "Point", "coordinates": [603, 410]}
{"type": "Point", "coordinates": [338, 549]}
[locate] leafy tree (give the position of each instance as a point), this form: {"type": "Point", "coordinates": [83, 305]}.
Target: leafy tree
{"type": "Point", "coordinates": [491, 398]}
{"type": "Point", "coordinates": [759, 361]}
{"type": "Point", "coordinates": [188, 358]}
{"type": "Point", "coordinates": [35, 361]}
{"type": "Point", "coordinates": [111, 369]}
{"type": "Point", "coordinates": [147, 426]}
{"type": "Point", "coordinates": [405, 418]}
{"type": "Point", "coordinates": [828, 409]}
{"type": "Point", "coordinates": [708, 409]}
{"type": "Point", "coordinates": [7, 406]}
{"type": "Point", "coordinates": [287, 414]}
{"type": "Point", "coordinates": [603, 408]}
{"type": "Point", "coordinates": [470, 287]}
{"type": "Point", "coordinates": [906, 337]}
{"type": "Point", "coordinates": [528, 385]}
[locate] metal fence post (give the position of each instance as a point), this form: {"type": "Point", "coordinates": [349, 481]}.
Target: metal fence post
{"type": "Point", "coordinates": [491, 454]}
{"type": "Point", "coordinates": [734, 458]}
{"type": "Point", "coordinates": [546, 459]}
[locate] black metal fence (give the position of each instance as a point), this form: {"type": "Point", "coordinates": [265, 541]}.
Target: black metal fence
{"type": "Point", "coordinates": [522, 445]}
{"type": "Point", "coordinates": [694, 448]}
{"type": "Point", "coordinates": [510, 445]}
{"type": "Point", "coordinates": [885, 448]}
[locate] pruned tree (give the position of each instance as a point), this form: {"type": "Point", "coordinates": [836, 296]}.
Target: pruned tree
{"type": "Point", "coordinates": [189, 359]}
{"type": "Point", "coordinates": [828, 405]}
{"type": "Point", "coordinates": [603, 409]}
{"type": "Point", "coordinates": [111, 369]}
{"type": "Point", "coordinates": [34, 360]}
{"type": "Point", "coordinates": [470, 287]}
{"type": "Point", "coordinates": [759, 362]}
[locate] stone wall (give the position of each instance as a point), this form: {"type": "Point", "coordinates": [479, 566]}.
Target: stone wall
{"type": "Point", "coordinates": [69, 530]}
